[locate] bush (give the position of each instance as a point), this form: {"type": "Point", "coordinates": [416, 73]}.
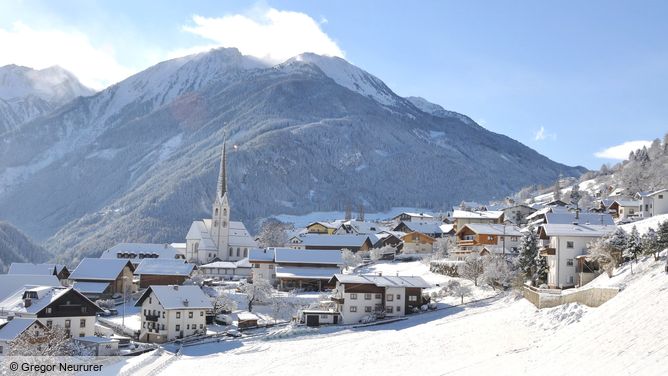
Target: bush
{"type": "Point", "coordinates": [448, 268]}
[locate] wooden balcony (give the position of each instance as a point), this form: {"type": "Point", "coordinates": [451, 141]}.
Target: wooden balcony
{"type": "Point", "coordinates": [466, 243]}
{"type": "Point", "coordinates": [547, 251]}
{"type": "Point", "coordinates": [151, 317]}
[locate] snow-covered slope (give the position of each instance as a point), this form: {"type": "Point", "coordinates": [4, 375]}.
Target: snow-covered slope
{"type": "Point", "coordinates": [436, 110]}
{"type": "Point", "coordinates": [646, 224]}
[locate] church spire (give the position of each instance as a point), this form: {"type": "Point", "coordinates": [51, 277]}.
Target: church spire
{"type": "Point", "coordinates": [222, 179]}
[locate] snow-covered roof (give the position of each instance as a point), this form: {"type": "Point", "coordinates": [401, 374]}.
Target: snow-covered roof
{"type": "Point", "coordinates": [361, 227]}
{"type": "Point", "coordinates": [95, 339]}
{"type": "Point", "coordinates": [577, 230]}
{"type": "Point", "coordinates": [584, 218]}
{"type": "Point", "coordinates": [261, 255]}
{"type": "Point", "coordinates": [383, 281]}
{"type": "Point", "coordinates": [342, 241]}
{"type": "Point", "coordinates": [489, 214]}
{"type": "Point", "coordinates": [432, 227]}
{"type": "Point", "coordinates": [304, 272]}
{"type": "Point", "coordinates": [219, 265]}
{"type": "Point", "coordinates": [199, 231]}
{"type": "Point", "coordinates": [247, 316]}
{"type": "Point", "coordinates": [493, 229]}
{"type": "Point", "coordinates": [310, 256]}
{"type": "Point", "coordinates": [139, 251]}
{"type": "Point", "coordinates": [238, 236]}
{"type": "Point", "coordinates": [324, 224]}
{"type": "Point", "coordinates": [627, 202]}
{"type": "Point", "coordinates": [164, 267]}
{"type": "Point", "coordinates": [178, 297]}
{"type": "Point", "coordinates": [650, 194]}
{"type": "Point", "coordinates": [415, 215]}
{"type": "Point", "coordinates": [99, 269]}
{"type": "Point", "coordinates": [14, 327]}
{"type": "Point", "coordinates": [45, 296]}
{"type": "Point", "coordinates": [243, 263]}
{"type": "Point", "coordinates": [10, 283]}
{"type": "Point", "coordinates": [91, 287]}
{"type": "Point", "coordinates": [34, 269]}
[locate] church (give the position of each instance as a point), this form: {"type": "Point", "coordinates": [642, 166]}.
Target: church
{"type": "Point", "coordinates": [218, 238]}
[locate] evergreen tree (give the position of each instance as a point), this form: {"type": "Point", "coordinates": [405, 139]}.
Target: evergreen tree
{"type": "Point", "coordinates": [633, 245]}
{"type": "Point", "coordinates": [649, 241]}
{"type": "Point", "coordinates": [618, 240]}
{"type": "Point", "coordinates": [541, 268]}
{"type": "Point", "coordinates": [528, 253]}
{"type": "Point", "coordinates": [662, 236]}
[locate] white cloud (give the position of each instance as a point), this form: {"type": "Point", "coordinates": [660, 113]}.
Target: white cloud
{"type": "Point", "coordinates": [621, 152]}
{"type": "Point", "coordinates": [268, 34]}
{"type": "Point", "coordinates": [542, 134]}
{"type": "Point", "coordinates": [95, 66]}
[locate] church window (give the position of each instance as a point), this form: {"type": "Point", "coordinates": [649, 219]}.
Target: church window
{"type": "Point", "coordinates": [238, 252]}
{"type": "Point", "coordinates": [225, 212]}
{"type": "Point", "coordinates": [245, 252]}
{"type": "Point", "coordinates": [224, 224]}
{"type": "Point", "coordinates": [215, 223]}
{"type": "Point", "coordinates": [216, 212]}
{"type": "Point", "coordinates": [231, 250]}
{"type": "Point", "coordinates": [196, 247]}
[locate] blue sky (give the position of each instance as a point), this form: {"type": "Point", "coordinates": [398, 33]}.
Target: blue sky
{"type": "Point", "coordinates": [569, 79]}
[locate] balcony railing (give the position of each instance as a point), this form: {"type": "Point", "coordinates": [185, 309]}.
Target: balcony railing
{"type": "Point", "coordinates": [151, 317]}
{"type": "Point", "coordinates": [464, 243]}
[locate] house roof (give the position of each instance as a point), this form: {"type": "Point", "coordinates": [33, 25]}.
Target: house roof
{"type": "Point", "coordinates": [576, 230]}
{"type": "Point", "coordinates": [261, 255]}
{"type": "Point", "coordinates": [238, 236]}
{"type": "Point", "coordinates": [164, 251]}
{"type": "Point", "coordinates": [99, 269]}
{"type": "Point", "coordinates": [91, 287]}
{"type": "Point", "coordinates": [199, 231]}
{"type": "Point", "coordinates": [342, 241]}
{"type": "Point", "coordinates": [324, 224]}
{"type": "Point", "coordinates": [45, 296]}
{"type": "Point", "coordinates": [569, 217]}
{"type": "Point", "coordinates": [164, 267]}
{"type": "Point", "coordinates": [13, 328]}
{"type": "Point", "coordinates": [627, 202]}
{"type": "Point", "coordinates": [34, 269]}
{"type": "Point", "coordinates": [310, 256]}
{"type": "Point", "coordinates": [247, 316]}
{"type": "Point", "coordinates": [427, 227]}
{"type": "Point", "coordinates": [10, 283]}
{"type": "Point", "coordinates": [305, 272]}
{"type": "Point", "coordinates": [219, 265]}
{"type": "Point", "coordinates": [413, 214]}
{"type": "Point", "coordinates": [382, 281]}
{"type": "Point", "coordinates": [178, 297]}
{"type": "Point", "coordinates": [95, 339]}
{"type": "Point", "coordinates": [489, 214]}
{"type": "Point", "coordinates": [492, 229]}
{"type": "Point", "coordinates": [649, 194]}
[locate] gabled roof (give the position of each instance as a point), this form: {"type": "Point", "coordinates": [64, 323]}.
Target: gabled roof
{"type": "Point", "coordinates": [426, 227]}
{"type": "Point", "coordinates": [164, 251]}
{"type": "Point", "coordinates": [310, 256]}
{"type": "Point", "coordinates": [238, 236]}
{"type": "Point", "coordinates": [10, 283]}
{"type": "Point", "coordinates": [261, 255]}
{"type": "Point", "coordinates": [324, 224]}
{"type": "Point", "coordinates": [489, 214]}
{"type": "Point", "coordinates": [91, 287]}
{"type": "Point", "coordinates": [199, 231]}
{"type": "Point", "coordinates": [100, 269]}
{"type": "Point", "coordinates": [45, 296]}
{"type": "Point", "coordinates": [13, 328]}
{"type": "Point", "coordinates": [178, 297]}
{"type": "Point", "coordinates": [575, 230]}
{"type": "Point", "coordinates": [492, 229]}
{"type": "Point", "coordinates": [628, 202]}
{"type": "Point", "coordinates": [584, 218]}
{"type": "Point", "coordinates": [164, 267]}
{"type": "Point", "coordinates": [382, 281]}
{"type": "Point", "coordinates": [650, 194]}
{"type": "Point", "coordinates": [342, 241]}
{"type": "Point", "coordinates": [34, 269]}
{"type": "Point", "coordinates": [305, 272]}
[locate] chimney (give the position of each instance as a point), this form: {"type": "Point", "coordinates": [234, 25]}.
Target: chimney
{"type": "Point", "coordinates": [185, 303]}
{"type": "Point", "coordinates": [27, 302]}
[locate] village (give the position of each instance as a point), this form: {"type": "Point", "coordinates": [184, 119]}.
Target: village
{"type": "Point", "coordinates": [223, 284]}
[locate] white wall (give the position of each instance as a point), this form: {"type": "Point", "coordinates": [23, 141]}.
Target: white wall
{"type": "Point", "coordinates": [264, 271]}
{"type": "Point", "coordinates": [561, 274]}
{"type": "Point", "coordinates": [169, 319]}
{"type": "Point", "coordinates": [361, 302]}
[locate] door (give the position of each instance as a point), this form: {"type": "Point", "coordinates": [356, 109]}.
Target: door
{"type": "Point", "coordinates": [336, 319]}
{"type": "Point", "coordinates": [312, 320]}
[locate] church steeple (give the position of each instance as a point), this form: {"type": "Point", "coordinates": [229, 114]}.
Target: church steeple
{"type": "Point", "coordinates": [222, 178]}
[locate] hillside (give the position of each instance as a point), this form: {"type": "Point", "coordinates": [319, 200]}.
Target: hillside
{"type": "Point", "coordinates": [138, 161]}
{"type": "Point", "coordinates": [16, 247]}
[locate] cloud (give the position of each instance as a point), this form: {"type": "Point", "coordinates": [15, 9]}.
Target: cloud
{"type": "Point", "coordinates": [621, 152]}
{"type": "Point", "coordinates": [268, 34]}
{"type": "Point", "coordinates": [542, 134]}
{"type": "Point", "coordinates": [95, 66]}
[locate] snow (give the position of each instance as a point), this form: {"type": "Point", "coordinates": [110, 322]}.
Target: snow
{"type": "Point", "coordinates": [10, 283]}
{"type": "Point", "coordinates": [646, 224]}
{"type": "Point", "coordinates": [311, 256]}
{"type": "Point", "coordinates": [301, 272]}
{"type": "Point", "coordinates": [35, 269]}
{"type": "Point", "coordinates": [164, 267]}
{"type": "Point", "coordinates": [98, 269]}
{"type": "Point", "coordinates": [15, 327]}
{"type": "Point", "coordinates": [304, 219]}
{"type": "Point", "coordinates": [178, 297]}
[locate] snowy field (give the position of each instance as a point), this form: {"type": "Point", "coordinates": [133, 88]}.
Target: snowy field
{"type": "Point", "coordinates": [505, 335]}
{"type": "Point", "coordinates": [645, 224]}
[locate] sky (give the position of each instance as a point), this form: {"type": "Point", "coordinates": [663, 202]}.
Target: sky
{"type": "Point", "coordinates": [580, 82]}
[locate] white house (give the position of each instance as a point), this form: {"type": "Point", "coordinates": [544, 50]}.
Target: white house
{"type": "Point", "coordinates": [296, 268]}
{"type": "Point", "coordinates": [227, 269]}
{"type": "Point", "coordinates": [359, 296]}
{"type": "Point", "coordinates": [653, 203]}
{"type": "Point", "coordinates": [54, 306]}
{"type": "Point", "coordinates": [171, 312]}
{"type": "Point", "coordinates": [562, 244]}
{"type": "Point", "coordinates": [464, 217]}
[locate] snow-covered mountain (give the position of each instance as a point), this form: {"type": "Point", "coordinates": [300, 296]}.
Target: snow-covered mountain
{"type": "Point", "coordinates": [27, 93]}
{"type": "Point", "coordinates": [138, 161]}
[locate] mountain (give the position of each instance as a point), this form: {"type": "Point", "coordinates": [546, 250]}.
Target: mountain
{"type": "Point", "coordinates": [26, 93]}
{"type": "Point", "coordinates": [138, 161]}
{"type": "Point", "coordinates": [16, 247]}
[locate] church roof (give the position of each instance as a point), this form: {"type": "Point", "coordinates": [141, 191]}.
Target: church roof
{"type": "Point", "coordinates": [199, 231]}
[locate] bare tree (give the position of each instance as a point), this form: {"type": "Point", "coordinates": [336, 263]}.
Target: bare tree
{"type": "Point", "coordinates": [223, 303]}
{"type": "Point", "coordinates": [53, 341]}
{"type": "Point", "coordinates": [350, 258]}
{"type": "Point", "coordinates": [472, 268]}
{"type": "Point", "coordinates": [259, 291]}
{"type": "Point", "coordinates": [273, 233]}
{"type": "Point", "coordinates": [454, 288]}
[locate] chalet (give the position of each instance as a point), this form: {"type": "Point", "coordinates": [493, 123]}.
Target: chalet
{"type": "Point", "coordinates": [417, 242]}
{"type": "Point", "coordinates": [517, 214]}
{"type": "Point", "coordinates": [136, 252]}
{"type": "Point", "coordinates": [387, 238]}
{"type": "Point", "coordinates": [359, 227]}
{"type": "Point", "coordinates": [292, 268]}
{"type": "Point", "coordinates": [431, 229]}
{"type": "Point", "coordinates": [28, 329]}
{"type": "Point", "coordinates": [360, 296]}
{"type": "Point", "coordinates": [54, 307]}
{"type": "Point", "coordinates": [326, 228]}
{"type": "Point", "coordinates": [172, 312]}
{"type": "Point", "coordinates": [463, 217]}
{"type": "Point", "coordinates": [487, 239]}
{"type": "Point", "coordinates": [100, 278]}
{"type": "Point", "coordinates": [227, 270]}
{"type": "Point", "coordinates": [60, 271]}
{"type": "Point", "coordinates": [354, 243]}
{"type": "Point", "coordinates": [562, 244]}
{"type": "Point", "coordinates": [624, 210]}
{"type": "Point", "coordinates": [163, 272]}
{"type": "Point", "coordinates": [418, 217]}
{"type": "Point", "coordinates": [653, 203]}
{"type": "Point", "coordinates": [247, 320]}
{"type": "Point", "coordinates": [559, 215]}
{"type": "Point", "coordinates": [10, 283]}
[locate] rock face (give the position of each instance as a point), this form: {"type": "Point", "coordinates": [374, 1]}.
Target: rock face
{"type": "Point", "coordinates": [138, 161]}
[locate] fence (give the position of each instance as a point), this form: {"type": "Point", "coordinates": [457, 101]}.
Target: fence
{"type": "Point", "coordinates": [589, 296]}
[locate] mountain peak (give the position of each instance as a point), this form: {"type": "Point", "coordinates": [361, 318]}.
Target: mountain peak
{"type": "Point", "coordinates": [53, 84]}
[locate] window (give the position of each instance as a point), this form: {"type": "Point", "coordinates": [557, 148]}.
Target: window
{"type": "Point", "coordinates": [569, 262]}
{"type": "Point", "coordinates": [82, 323]}
{"type": "Point", "coordinates": [398, 308]}
{"type": "Point", "coordinates": [570, 279]}
{"type": "Point", "coordinates": [68, 323]}
{"type": "Point", "coordinates": [143, 325]}
{"type": "Point", "coordinates": [163, 326]}
{"type": "Point", "coordinates": [82, 334]}
{"type": "Point", "coordinates": [398, 296]}
{"type": "Point", "coordinates": [353, 309]}
{"type": "Point", "coordinates": [412, 298]}
{"type": "Point", "coordinates": [188, 326]}
{"type": "Point", "coordinates": [150, 300]}
{"type": "Point", "coordinates": [660, 197]}
{"type": "Point", "coordinates": [48, 310]}
{"type": "Point", "coordinates": [201, 313]}
{"type": "Point", "coordinates": [353, 296]}
{"type": "Point", "coordinates": [216, 212]}
{"type": "Point", "coordinates": [178, 316]}
{"type": "Point", "coordinates": [231, 250]}
{"type": "Point", "coordinates": [215, 223]}
{"type": "Point", "coordinates": [190, 315]}
{"type": "Point", "coordinates": [514, 238]}
{"type": "Point", "coordinates": [84, 309]}
{"type": "Point", "coordinates": [367, 296]}
{"type": "Point", "coordinates": [178, 327]}
{"type": "Point", "coordinates": [324, 317]}
{"type": "Point", "coordinates": [378, 296]}
{"type": "Point", "coordinates": [390, 297]}
{"type": "Point", "coordinates": [490, 237]}
{"type": "Point", "coordinates": [367, 309]}
{"type": "Point", "coordinates": [49, 324]}
{"type": "Point", "coordinates": [163, 314]}
{"type": "Point", "coordinates": [238, 252]}
{"type": "Point", "coordinates": [569, 244]}
{"type": "Point", "coordinates": [388, 309]}
{"type": "Point", "coordinates": [201, 326]}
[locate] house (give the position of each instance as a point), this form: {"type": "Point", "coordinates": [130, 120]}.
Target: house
{"type": "Point", "coordinates": [295, 268]}
{"type": "Point", "coordinates": [317, 317]}
{"type": "Point", "coordinates": [360, 296]}
{"type": "Point", "coordinates": [464, 217]}
{"type": "Point", "coordinates": [417, 242]}
{"type": "Point", "coordinates": [562, 244]}
{"type": "Point", "coordinates": [10, 283]}
{"type": "Point", "coordinates": [136, 252]}
{"type": "Point", "coordinates": [562, 215]}
{"type": "Point", "coordinates": [227, 270]}
{"type": "Point", "coordinates": [431, 229]}
{"type": "Point", "coordinates": [99, 278]}
{"type": "Point", "coordinates": [99, 346]}
{"type": "Point", "coordinates": [517, 214]}
{"type": "Point", "coordinates": [418, 217]}
{"type": "Point", "coordinates": [487, 239]}
{"type": "Point", "coordinates": [163, 272]}
{"type": "Point", "coordinates": [60, 271]}
{"type": "Point", "coordinates": [171, 312]}
{"type": "Point", "coordinates": [624, 210]}
{"type": "Point", "coordinates": [387, 238]}
{"type": "Point", "coordinates": [653, 203]}
{"type": "Point", "coordinates": [218, 237]}
{"type": "Point", "coordinates": [54, 307]}
{"type": "Point", "coordinates": [359, 227]}
{"type": "Point", "coordinates": [28, 329]}
{"type": "Point", "coordinates": [326, 228]}
{"type": "Point", "coordinates": [354, 243]}
{"type": "Point", "coordinates": [247, 320]}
